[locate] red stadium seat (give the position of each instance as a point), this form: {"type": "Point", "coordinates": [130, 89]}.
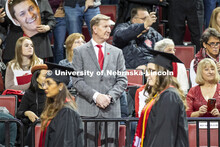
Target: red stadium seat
{"type": "Point", "coordinates": [10, 102]}
{"type": "Point", "coordinates": [135, 76]}
{"type": "Point", "coordinates": [202, 136]}
{"type": "Point", "coordinates": [109, 10]}
{"type": "Point", "coordinates": [185, 54]}
{"type": "Point", "coordinates": [37, 134]}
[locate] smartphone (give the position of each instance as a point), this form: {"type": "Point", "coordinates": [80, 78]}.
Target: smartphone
{"type": "Point", "coordinates": [155, 9]}
{"type": "Point", "coordinates": [211, 104]}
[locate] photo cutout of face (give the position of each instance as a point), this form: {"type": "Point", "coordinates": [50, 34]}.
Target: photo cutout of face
{"type": "Point", "coordinates": [24, 13]}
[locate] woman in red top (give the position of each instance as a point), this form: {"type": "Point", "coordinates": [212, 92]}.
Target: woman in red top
{"type": "Point", "coordinates": [207, 77]}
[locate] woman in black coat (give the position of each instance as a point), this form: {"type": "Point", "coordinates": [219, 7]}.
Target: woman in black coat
{"type": "Point", "coordinates": [33, 101]}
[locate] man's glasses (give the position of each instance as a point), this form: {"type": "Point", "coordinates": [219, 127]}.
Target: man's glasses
{"type": "Point", "coordinates": [213, 44]}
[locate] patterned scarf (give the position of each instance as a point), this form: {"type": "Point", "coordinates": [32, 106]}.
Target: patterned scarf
{"type": "Point", "coordinates": [201, 55]}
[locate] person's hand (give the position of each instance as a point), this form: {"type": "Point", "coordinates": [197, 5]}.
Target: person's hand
{"type": "Point", "coordinates": [202, 110]}
{"type": "Point", "coordinates": [102, 101]}
{"type": "Point", "coordinates": [88, 3]}
{"type": "Point", "coordinates": [215, 112]}
{"type": "Point", "coordinates": [31, 115]}
{"type": "Point", "coordinates": [150, 20]}
{"type": "Point", "coordinates": [43, 28]}
{"type": "Point", "coordinates": [2, 15]}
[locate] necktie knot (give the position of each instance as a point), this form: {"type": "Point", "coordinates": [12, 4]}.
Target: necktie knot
{"type": "Point", "coordinates": [99, 46]}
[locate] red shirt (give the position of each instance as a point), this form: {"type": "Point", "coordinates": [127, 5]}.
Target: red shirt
{"type": "Point", "coordinates": [195, 100]}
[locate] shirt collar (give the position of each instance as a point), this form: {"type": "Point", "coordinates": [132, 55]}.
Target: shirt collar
{"type": "Point", "coordinates": [94, 43]}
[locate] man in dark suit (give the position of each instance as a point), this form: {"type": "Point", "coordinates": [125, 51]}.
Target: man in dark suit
{"type": "Point", "coordinates": [100, 91]}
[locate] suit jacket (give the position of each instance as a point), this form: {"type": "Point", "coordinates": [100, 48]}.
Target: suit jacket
{"type": "Point", "coordinates": [85, 60]}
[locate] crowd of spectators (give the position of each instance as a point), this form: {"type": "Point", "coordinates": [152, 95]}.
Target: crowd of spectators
{"type": "Point", "coordinates": [33, 32]}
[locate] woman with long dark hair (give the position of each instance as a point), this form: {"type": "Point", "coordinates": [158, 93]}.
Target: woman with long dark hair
{"type": "Point", "coordinates": [60, 123]}
{"type": "Point", "coordinates": [33, 101]}
{"type": "Point", "coordinates": [163, 119]}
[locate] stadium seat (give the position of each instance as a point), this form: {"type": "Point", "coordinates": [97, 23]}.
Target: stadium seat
{"type": "Point", "coordinates": [10, 102]}
{"type": "Point", "coordinates": [37, 134]}
{"type": "Point", "coordinates": [202, 136]}
{"type": "Point", "coordinates": [135, 77]}
{"type": "Point", "coordinates": [109, 10]}
{"type": "Point", "coordinates": [185, 54]}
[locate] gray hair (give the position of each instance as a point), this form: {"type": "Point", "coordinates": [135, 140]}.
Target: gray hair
{"type": "Point", "coordinates": [162, 44]}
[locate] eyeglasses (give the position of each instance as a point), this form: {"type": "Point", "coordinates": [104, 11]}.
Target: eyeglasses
{"type": "Point", "coordinates": [79, 42]}
{"type": "Point", "coordinates": [213, 44]}
{"type": "Point", "coordinates": [47, 83]}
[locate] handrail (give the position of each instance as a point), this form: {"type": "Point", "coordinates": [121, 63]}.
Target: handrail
{"type": "Point", "coordinates": [7, 130]}
{"type": "Point", "coordinates": [127, 121]}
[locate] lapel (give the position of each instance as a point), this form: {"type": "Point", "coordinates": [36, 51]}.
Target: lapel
{"type": "Point", "coordinates": [92, 54]}
{"type": "Point", "coordinates": [106, 56]}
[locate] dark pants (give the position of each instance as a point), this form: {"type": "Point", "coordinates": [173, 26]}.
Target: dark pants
{"type": "Point", "coordinates": [180, 12]}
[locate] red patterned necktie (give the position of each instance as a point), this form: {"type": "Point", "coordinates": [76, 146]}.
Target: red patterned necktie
{"type": "Point", "coordinates": [100, 56]}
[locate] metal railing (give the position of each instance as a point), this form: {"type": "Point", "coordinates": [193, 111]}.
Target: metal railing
{"type": "Point", "coordinates": [208, 120]}
{"type": "Point", "coordinates": [127, 123]}
{"type": "Point", "coordinates": [7, 131]}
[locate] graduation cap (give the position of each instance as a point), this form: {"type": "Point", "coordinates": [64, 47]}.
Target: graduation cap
{"type": "Point", "coordinates": [164, 59]}
{"type": "Point", "coordinates": [59, 73]}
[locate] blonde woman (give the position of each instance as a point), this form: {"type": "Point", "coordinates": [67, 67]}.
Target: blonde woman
{"type": "Point", "coordinates": [207, 77]}
{"type": "Point", "coordinates": [18, 72]}
{"type": "Point", "coordinates": [74, 40]}
{"type": "Point", "coordinates": [215, 19]}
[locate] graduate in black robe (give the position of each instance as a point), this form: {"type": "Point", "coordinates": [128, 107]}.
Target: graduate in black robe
{"type": "Point", "coordinates": [60, 123]}
{"type": "Point", "coordinates": [167, 125]}
{"type": "Point", "coordinates": [65, 130]}
{"type": "Point", "coordinates": [163, 120]}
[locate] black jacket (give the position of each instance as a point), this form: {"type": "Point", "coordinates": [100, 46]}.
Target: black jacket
{"type": "Point", "coordinates": [65, 130]}
{"type": "Point", "coordinates": [29, 102]}
{"type": "Point", "coordinates": [135, 49]}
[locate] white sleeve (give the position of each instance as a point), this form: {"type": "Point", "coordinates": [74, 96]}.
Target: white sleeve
{"type": "Point", "coordinates": [192, 74]}
{"type": "Point", "coordinates": [182, 77]}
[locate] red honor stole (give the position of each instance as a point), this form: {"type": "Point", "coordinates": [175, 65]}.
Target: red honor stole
{"type": "Point", "coordinates": [43, 136]}
{"type": "Point", "coordinates": [142, 124]}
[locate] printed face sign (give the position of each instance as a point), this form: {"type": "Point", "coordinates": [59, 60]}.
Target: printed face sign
{"type": "Point", "coordinates": [24, 13]}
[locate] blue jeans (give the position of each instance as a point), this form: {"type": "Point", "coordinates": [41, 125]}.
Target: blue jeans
{"type": "Point", "coordinates": [12, 128]}
{"type": "Point", "coordinates": [59, 33]}
{"type": "Point", "coordinates": [209, 6]}
{"type": "Point", "coordinates": [75, 17]}
{"type": "Point", "coordinates": [124, 105]}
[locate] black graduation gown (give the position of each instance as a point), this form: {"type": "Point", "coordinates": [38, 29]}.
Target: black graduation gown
{"type": "Point", "coordinates": [167, 125]}
{"type": "Point", "coordinates": [65, 130]}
